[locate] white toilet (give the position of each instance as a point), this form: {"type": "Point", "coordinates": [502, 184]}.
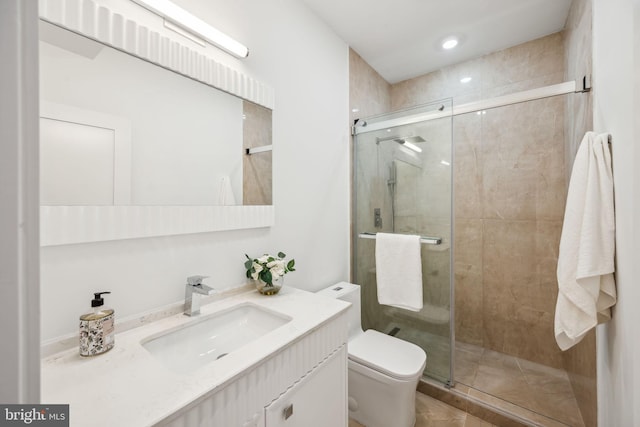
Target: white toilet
{"type": "Point", "coordinates": [383, 370]}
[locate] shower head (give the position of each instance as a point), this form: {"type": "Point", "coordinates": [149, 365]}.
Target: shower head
{"type": "Point", "coordinates": [410, 139]}
{"type": "Point", "coordinates": [401, 140]}
{"type": "Point", "coordinates": [409, 142]}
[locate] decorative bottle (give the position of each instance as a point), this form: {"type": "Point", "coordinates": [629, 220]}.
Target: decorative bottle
{"type": "Point", "coordinates": [97, 328]}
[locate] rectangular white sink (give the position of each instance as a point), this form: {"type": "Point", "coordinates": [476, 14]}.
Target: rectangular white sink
{"type": "Point", "coordinates": [188, 347]}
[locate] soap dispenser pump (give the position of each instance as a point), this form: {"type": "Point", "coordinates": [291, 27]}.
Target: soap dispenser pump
{"type": "Point", "coordinates": [97, 328]}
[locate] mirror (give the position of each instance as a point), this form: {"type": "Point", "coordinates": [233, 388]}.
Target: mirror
{"type": "Point", "coordinates": [118, 130]}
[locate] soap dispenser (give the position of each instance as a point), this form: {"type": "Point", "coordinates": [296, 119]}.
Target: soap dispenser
{"type": "Point", "coordinates": [97, 328]}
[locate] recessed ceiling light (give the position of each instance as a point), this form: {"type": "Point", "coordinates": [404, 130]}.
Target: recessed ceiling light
{"type": "Point", "coordinates": [465, 80]}
{"type": "Point", "coordinates": [450, 43]}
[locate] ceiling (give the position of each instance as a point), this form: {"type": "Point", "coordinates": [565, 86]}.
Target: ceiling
{"type": "Point", "coordinates": [402, 39]}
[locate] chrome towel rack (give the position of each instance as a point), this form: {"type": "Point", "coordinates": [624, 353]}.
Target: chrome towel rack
{"type": "Point", "coordinates": [427, 240]}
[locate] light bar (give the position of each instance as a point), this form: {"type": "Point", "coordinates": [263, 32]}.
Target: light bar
{"type": "Point", "coordinates": [189, 22]}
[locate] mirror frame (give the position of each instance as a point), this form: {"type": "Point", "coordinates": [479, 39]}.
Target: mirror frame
{"type": "Point", "coordinates": [62, 225]}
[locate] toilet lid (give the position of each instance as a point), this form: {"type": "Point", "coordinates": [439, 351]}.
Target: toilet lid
{"type": "Point", "coordinates": [384, 353]}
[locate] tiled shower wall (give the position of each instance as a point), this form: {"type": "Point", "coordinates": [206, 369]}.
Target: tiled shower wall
{"type": "Point", "coordinates": [580, 360]}
{"type": "Point", "coordinates": [509, 183]}
{"type": "Point", "coordinates": [369, 93]}
{"type": "Point", "coordinates": [256, 168]}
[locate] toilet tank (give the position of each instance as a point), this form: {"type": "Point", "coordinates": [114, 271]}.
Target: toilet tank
{"type": "Point", "coordinates": [351, 293]}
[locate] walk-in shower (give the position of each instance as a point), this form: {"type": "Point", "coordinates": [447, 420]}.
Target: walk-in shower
{"type": "Point", "coordinates": [485, 191]}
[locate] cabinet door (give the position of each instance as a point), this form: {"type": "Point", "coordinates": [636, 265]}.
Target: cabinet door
{"type": "Point", "coordinates": [319, 399]}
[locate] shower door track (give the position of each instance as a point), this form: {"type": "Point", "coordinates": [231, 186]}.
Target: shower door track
{"type": "Point", "coordinates": [470, 107]}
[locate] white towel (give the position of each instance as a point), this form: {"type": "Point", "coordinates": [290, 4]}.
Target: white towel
{"type": "Point", "coordinates": [399, 270]}
{"type": "Point", "coordinates": [587, 245]}
{"type": "Point", "coordinates": [226, 197]}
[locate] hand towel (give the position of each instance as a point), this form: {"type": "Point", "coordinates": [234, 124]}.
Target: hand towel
{"type": "Point", "coordinates": [587, 245]}
{"type": "Point", "coordinates": [226, 197]}
{"type": "Point", "coordinates": [399, 270]}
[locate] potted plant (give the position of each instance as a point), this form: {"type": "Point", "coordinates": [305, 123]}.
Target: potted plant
{"type": "Point", "coordinates": [268, 272]}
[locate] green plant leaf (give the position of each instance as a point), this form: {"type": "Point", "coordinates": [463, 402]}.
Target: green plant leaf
{"type": "Point", "coordinates": [248, 274]}
{"type": "Point", "coordinates": [267, 278]}
{"type": "Point", "coordinates": [270, 259]}
{"type": "Point", "coordinates": [281, 255]}
{"type": "Point", "coordinates": [291, 264]}
{"type": "Point", "coordinates": [248, 264]}
{"type": "Point", "coordinates": [247, 256]}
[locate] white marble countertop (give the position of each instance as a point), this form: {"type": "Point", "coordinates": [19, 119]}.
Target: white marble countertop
{"type": "Point", "coordinates": [127, 386]}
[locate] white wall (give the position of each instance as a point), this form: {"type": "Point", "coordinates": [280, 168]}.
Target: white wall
{"type": "Point", "coordinates": [616, 110]}
{"type": "Point", "coordinates": [19, 296]}
{"type": "Point", "coordinates": [174, 162]}
{"type": "Point", "coordinates": [307, 65]}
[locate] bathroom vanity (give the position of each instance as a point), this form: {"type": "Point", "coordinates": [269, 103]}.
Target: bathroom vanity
{"type": "Point", "coordinates": [292, 373]}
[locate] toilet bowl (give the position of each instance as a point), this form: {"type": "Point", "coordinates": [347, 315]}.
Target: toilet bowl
{"type": "Point", "coordinates": [383, 370]}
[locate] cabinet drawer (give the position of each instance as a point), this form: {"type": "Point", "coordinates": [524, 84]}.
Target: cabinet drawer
{"type": "Point", "coordinates": [319, 399]}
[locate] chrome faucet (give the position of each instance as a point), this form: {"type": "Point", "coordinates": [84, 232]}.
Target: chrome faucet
{"type": "Point", "coordinates": [193, 289]}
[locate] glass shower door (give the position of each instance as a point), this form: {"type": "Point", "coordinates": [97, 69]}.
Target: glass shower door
{"type": "Point", "coordinates": [402, 184]}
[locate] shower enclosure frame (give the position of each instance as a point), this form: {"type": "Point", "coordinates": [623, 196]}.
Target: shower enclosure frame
{"type": "Point", "coordinates": [409, 117]}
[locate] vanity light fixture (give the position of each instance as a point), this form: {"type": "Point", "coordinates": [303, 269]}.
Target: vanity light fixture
{"type": "Point", "coordinates": [178, 16]}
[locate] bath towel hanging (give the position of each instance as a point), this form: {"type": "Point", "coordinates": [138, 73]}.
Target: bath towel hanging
{"type": "Point", "coordinates": [586, 286]}
{"type": "Point", "coordinates": [399, 270]}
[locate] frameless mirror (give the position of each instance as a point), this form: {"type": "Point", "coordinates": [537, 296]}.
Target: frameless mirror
{"type": "Point", "coordinates": [118, 130]}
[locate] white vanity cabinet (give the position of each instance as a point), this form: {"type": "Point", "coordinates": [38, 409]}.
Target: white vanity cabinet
{"type": "Point", "coordinates": [307, 378]}
{"type": "Point", "coordinates": [318, 400]}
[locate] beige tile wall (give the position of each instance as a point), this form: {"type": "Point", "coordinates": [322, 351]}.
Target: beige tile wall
{"type": "Point", "coordinates": [256, 168]}
{"type": "Point", "coordinates": [369, 95]}
{"type": "Point", "coordinates": [580, 360]}
{"type": "Point", "coordinates": [509, 183]}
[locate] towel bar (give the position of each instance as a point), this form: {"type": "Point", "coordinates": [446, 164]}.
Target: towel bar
{"type": "Point", "coordinates": [256, 150]}
{"type": "Point", "coordinates": [423, 239]}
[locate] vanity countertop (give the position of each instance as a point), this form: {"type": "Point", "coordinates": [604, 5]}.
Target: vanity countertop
{"type": "Point", "coordinates": [127, 386]}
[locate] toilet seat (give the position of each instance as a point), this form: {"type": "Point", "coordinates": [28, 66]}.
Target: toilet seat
{"type": "Point", "coordinates": [386, 354]}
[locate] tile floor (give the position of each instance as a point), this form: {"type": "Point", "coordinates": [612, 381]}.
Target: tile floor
{"type": "Point", "coordinates": [434, 413]}
{"type": "Point", "coordinates": [541, 389]}
{"type": "Point", "coordinates": [489, 375]}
